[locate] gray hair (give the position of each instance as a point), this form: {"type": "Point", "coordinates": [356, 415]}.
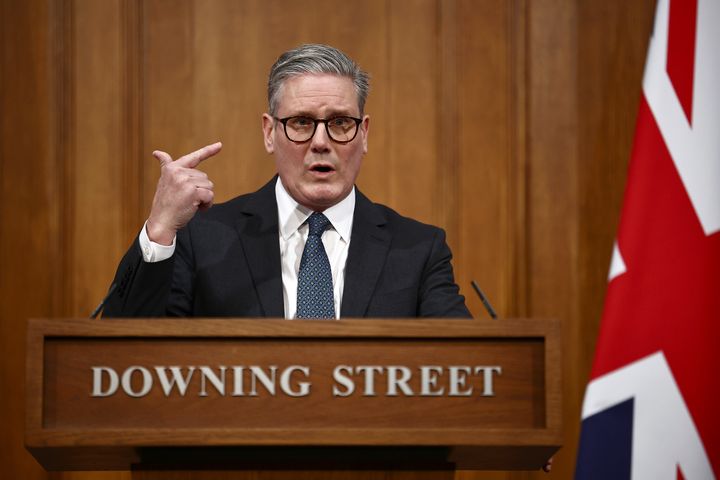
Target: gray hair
{"type": "Point", "coordinates": [315, 59]}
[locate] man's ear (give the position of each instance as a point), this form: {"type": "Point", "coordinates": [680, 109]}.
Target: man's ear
{"type": "Point", "coordinates": [268, 126]}
{"type": "Point", "coordinates": [365, 129]}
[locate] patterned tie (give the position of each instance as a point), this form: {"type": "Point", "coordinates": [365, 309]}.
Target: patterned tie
{"type": "Point", "coordinates": [315, 287]}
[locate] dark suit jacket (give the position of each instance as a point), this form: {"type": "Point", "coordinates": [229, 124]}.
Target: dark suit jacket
{"type": "Point", "coordinates": [227, 263]}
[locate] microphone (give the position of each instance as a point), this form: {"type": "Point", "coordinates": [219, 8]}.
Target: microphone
{"type": "Point", "coordinates": [484, 299]}
{"type": "Point", "coordinates": [99, 308]}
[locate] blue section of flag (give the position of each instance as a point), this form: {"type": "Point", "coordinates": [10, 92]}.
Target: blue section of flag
{"type": "Point", "coordinates": [606, 444]}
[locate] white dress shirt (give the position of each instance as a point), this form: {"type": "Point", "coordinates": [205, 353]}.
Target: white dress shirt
{"type": "Point", "coordinates": [293, 234]}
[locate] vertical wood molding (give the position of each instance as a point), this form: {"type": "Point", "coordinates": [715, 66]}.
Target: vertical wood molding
{"type": "Point", "coordinates": [553, 160]}
{"type": "Point", "coordinates": [29, 223]}
{"type": "Point", "coordinates": [518, 277]}
{"type": "Point", "coordinates": [484, 83]}
{"type": "Point", "coordinates": [63, 281]}
{"type": "Point", "coordinates": [414, 112]}
{"type": "Point", "coordinates": [103, 145]}
{"type": "Point", "coordinates": [553, 208]}
{"type": "Point", "coordinates": [447, 169]}
{"type": "Point", "coordinates": [133, 154]}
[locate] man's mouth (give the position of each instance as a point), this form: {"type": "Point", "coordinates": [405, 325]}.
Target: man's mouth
{"type": "Point", "coordinates": [322, 168]}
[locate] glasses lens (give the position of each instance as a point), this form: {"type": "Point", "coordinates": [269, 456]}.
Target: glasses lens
{"type": "Point", "coordinates": [342, 129]}
{"type": "Point", "coordinates": [299, 129]}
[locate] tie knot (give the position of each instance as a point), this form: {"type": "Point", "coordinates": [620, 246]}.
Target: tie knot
{"type": "Point", "coordinates": [317, 223]}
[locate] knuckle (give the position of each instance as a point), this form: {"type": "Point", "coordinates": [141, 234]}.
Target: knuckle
{"type": "Point", "coordinates": [182, 179]}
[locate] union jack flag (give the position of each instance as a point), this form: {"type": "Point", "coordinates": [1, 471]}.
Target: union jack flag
{"type": "Point", "coordinates": [652, 407]}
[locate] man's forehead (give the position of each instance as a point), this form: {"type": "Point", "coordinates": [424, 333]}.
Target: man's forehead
{"type": "Point", "coordinates": [318, 91]}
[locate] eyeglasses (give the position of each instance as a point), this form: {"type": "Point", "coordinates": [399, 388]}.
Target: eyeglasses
{"type": "Point", "coordinates": [301, 129]}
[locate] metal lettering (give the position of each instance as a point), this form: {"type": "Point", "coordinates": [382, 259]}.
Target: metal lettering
{"type": "Point", "coordinates": [126, 381]}
{"type": "Point", "coordinates": [257, 373]}
{"type": "Point", "coordinates": [113, 381]}
{"type": "Point", "coordinates": [344, 380]}
{"type": "Point", "coordinates": [285, 377]}
{"type": "Point", "coordinates": [177, 379]}
{"type": "Point", "coordinates": [394, 381]}
{"type": "Point", "coordinates": [428, 380]}
{"type": "Point", "coordinates": [458, 377]}
{"type": "Point", "coordinates": [488, 379]}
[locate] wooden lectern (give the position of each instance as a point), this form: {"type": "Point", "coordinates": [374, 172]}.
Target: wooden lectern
{"type": "Point", "coordinates": [153, 395]}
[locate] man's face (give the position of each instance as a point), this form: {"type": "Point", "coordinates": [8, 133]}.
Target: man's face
{"type": "Point", "coordinates": [320, 172]}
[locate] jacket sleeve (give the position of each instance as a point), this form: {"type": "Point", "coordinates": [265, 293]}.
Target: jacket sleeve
{"type": "Point", "coordinates": [157, 289]}
{"type": "Point", "coordinates": [439, 294]}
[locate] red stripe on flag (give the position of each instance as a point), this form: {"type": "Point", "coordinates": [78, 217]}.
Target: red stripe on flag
{"type": "Point", "coordinates": [681, 51]}
{"type": "Point", "coordinates": [680, 475]}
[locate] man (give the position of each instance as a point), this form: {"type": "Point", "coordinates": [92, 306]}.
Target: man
{"type": "Point", "coordinates": [306, 245]}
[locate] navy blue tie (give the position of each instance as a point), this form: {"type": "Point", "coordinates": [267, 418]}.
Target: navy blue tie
{"type": "Point", "coordinates": [315, 287]}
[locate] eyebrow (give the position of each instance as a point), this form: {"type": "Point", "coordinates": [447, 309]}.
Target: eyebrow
{"type": "Point", "coordinates": [331, 114]}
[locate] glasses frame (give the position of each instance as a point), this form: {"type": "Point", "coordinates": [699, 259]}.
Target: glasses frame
{"type": "Point", "coordinates": [325, 121]}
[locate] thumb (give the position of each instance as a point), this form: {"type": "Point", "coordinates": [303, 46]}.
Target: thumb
{"type": "Point", "coordinates": [163, 157]}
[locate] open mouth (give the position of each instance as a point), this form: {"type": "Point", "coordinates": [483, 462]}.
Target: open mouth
{"type": "Point", "coordinates": [322, 168]}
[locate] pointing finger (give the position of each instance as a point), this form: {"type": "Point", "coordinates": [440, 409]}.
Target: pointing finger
{"type": "Point", "coordinates": [163, 157]}
{"type": "Point", "coordinates": [192, 160]}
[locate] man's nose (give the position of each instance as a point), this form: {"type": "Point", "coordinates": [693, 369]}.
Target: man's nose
{"type": "Point", "coordinates": [320, 142]}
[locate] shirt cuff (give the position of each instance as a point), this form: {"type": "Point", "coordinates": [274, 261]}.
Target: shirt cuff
{"type": "Point", "coordinates": [154, 252]}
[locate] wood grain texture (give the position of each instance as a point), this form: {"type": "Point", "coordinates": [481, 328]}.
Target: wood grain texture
{"type": "Point", "coordinates": [553, 186]}
{"type": "Point", "coordinates": [95, 160]}
{"type": "Point", "coordinates": [530, 110]}
{"type": "Point", "coordinates": [523, 414]}
{"type": "Point", "coordinates": [30, 253]}
{"type": "Point", "coordinates": [483, 91]}
{"type": "Point", "coordinates": [517, 404]}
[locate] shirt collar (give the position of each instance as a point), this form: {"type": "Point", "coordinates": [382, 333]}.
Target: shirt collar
{"type": "Point", "coordinates": [292, 215]}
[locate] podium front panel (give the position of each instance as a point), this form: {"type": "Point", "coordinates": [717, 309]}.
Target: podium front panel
{"type": "Point", "coordinates": [462, 387]}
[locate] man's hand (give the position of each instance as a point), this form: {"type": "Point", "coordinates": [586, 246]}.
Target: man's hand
{"type": "Point", "coordinates": [181, 191]}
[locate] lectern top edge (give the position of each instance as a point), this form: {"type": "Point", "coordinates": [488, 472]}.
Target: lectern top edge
{"type": "Point", "coordinates": [261, 327]}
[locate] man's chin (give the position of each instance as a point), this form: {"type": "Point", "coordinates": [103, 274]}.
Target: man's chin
{"type": "Point", "coordinates": [322, 198]}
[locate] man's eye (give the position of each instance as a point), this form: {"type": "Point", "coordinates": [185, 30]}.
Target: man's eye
{"type": "Point", "coordinates": [342, 122]}
{"type": "Point", "coordinates": [300, 122]}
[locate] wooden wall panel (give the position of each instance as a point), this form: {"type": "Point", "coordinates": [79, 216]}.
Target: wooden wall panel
{"type": "Point", "coordinates": [411, 120]}
{"type": "Point", "coordinates": [206, 75]}
{"type": "Point", "coordinates": [484, 83]}
{"type": "Point", "coordinates": [100, 190]}
{"type": "Point", "coordinates": [96, 158]}
{"type": "Point", "coordinates": [29, 209]}
{"type": "Point", "coordinates": [506, 122]}
{"type": "Point", "coordinates": [553, 191]}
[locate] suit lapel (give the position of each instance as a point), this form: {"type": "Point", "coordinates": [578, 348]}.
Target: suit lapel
{"type": "Point", "coordinates": [258, 231]}
{"type": "Point", "coordinates": [369, 246]}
